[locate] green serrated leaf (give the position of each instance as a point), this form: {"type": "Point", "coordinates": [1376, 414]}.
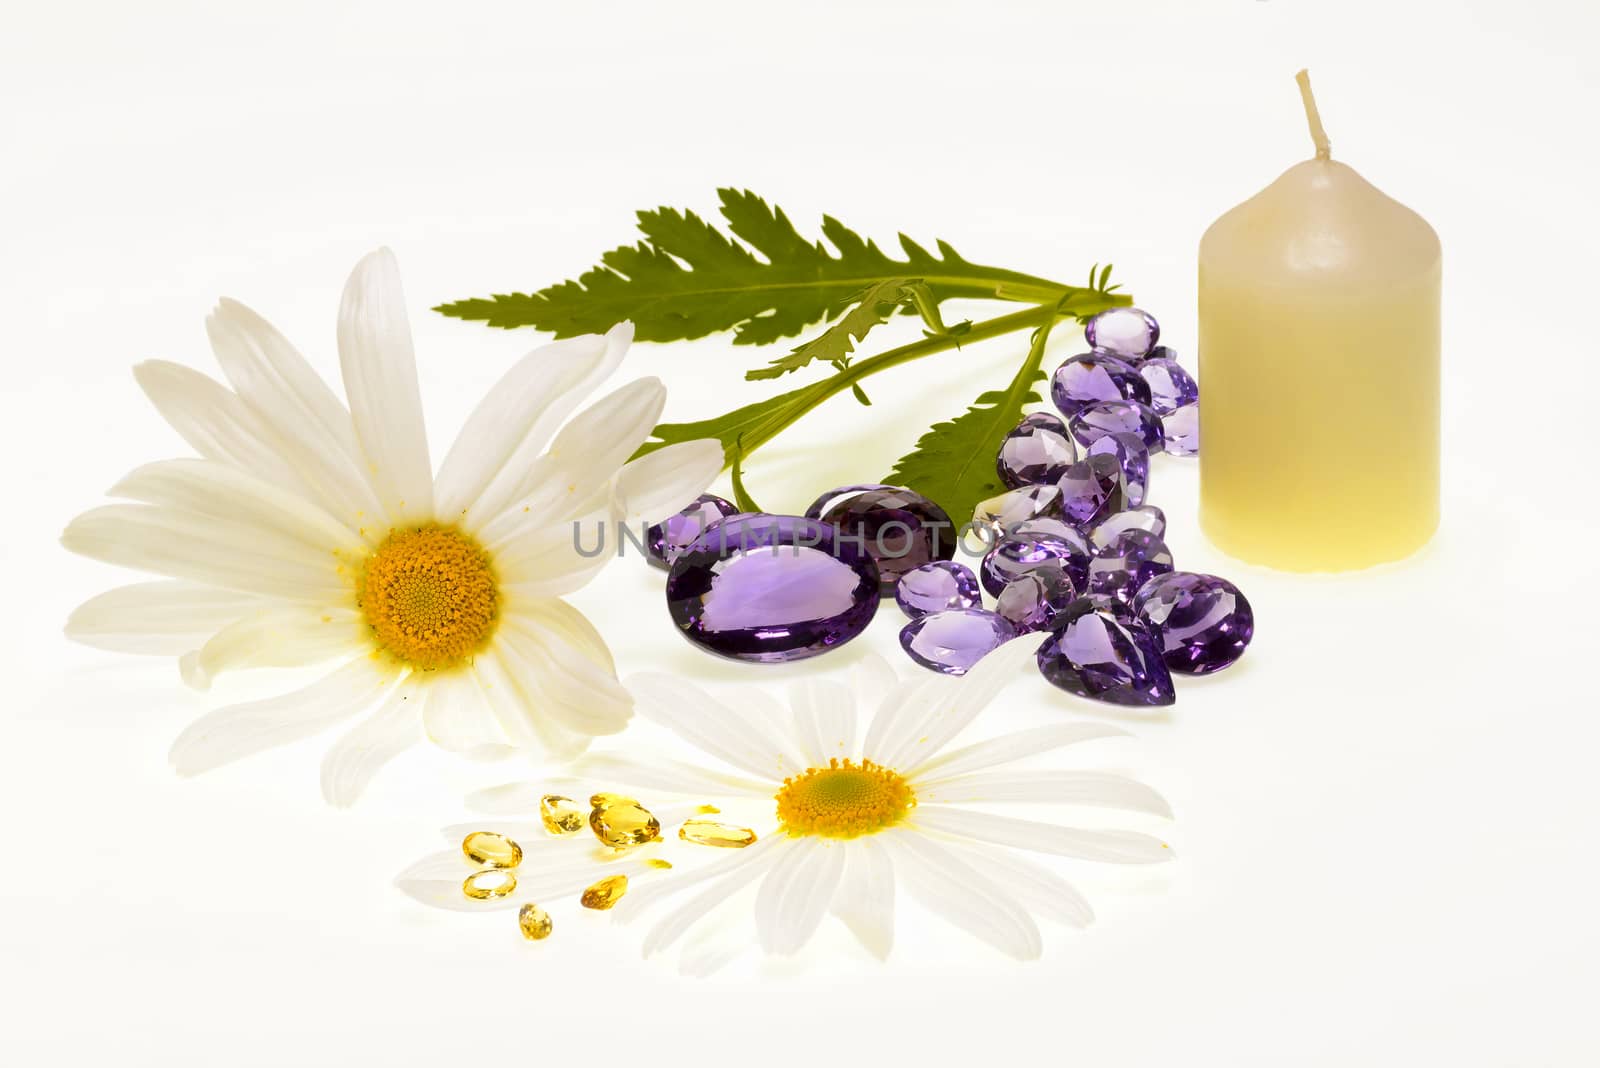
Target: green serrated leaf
{"type": "Point", "coordinates": [686, 279]}
{"type": "Point", "coordinates": [872, 306]}
{"type": "Point", "coordinates": [953, 463]}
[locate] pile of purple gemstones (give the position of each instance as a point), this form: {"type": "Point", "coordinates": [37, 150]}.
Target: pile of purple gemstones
{"type": "Point", "coordinates": [1073, 550]}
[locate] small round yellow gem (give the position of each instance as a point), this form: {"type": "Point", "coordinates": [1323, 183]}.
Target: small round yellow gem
{"type": "Point", "coordinates": [844, 800]}
{"type": "Point", "coordinates": [605, 893]}
{"type": "Point", "coordinates": [712, 833]}
{"type": "Point", "coordinates": [491, 850]}
{"type": "Point", "coordinates": [489, 883]}
{"type": "Point", "coordinates": [429, 594]}
{"type": "Point", "coordinates": [621, 822]}
{"type": "Point", "coordinates": [560, 815]}
{"type": "Point", "coordinates": [535, 923]}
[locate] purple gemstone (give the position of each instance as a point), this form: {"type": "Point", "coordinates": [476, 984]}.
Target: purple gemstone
{"type": "Point", "coordinates": [1182, 430]}
{"type": "Point", "coordinates": [999, 514]}
{"type": "Point", "coordinates": [1118, 417]}
{"type": "Point", "coordinates": [1055, 528]}
{"type": "Point", "coordinates": [1201, 622]}
{"type": "Point", "coordinates": [955, 640]}
{"type": "Point", "coordinates": [936, 587]}
{"type": "Point", "coordinates": [1032, 600]}
{"type": "Point", "coordinates": [1093, 654]}
{"type": "Point", "coordinates": [1162, 352]}
{"type": "Point", "coordinates": [1091, 490]}
{"type": "Point", "coordinates": [1121, 611]}
{"type": "Point", "coordinates": [1171, 387]}
{"type": "Point", "coordinates": [771, 588]}
{"type": "Point", "coordinates": [1148, 517]}
{"type": "Point", "coordinates": [834, 496]}
{"type": "Point", "coordinates": [1093, 377]}
{"type": "Point", "coordinates": [672, 535]}
{"type": "Point", "coordinates": [1034, 455]}
{"type": "Point", "coordinates": [1017, 554]}
{"type": "Point", "coordinates": [900, 529]}
{"type": "Point", "coordinates": [1133, 558]}
{"type": "Point", "coordinates": [1044, 421]}
{"type": "Point", "coordinates": [1127, 332]}
{"type": "Point", "coordinates": [1134, 459]}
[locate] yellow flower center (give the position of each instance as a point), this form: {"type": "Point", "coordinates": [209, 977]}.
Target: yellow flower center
{"type": "Point", "coordinates": [430, 596]}
{"type": "Point", "coordinates": [844, 800]}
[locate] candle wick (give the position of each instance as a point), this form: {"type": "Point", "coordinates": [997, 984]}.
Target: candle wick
{"type": "Point", "coordinates": [1319, 136]}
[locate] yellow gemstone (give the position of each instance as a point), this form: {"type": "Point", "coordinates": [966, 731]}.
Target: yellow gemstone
{"type": "Point", "coordinates": [535, 923]}
{"type": "Point", "coordinates": [605, 893]}
{"type": "Point", "coordinates": [658, 863]}
{"type": "Point", "coordinates": [712, 833]}
{"type": "Point", "coordinates": [491, 850]}
{"type": "Point", "coordinates": [489, 883]}
{"type": "Point", "coordinates": [708, 810]}
{"type": "Point", "coordinates": [560, 815]}
{"type": "Point", "coordinates": [621, 822]}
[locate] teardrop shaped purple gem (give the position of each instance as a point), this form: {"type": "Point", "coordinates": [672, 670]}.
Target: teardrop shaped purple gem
{"type": "Point", "coordinates": [1093, 654]}
{"type": "Point", "coordinates": [1133, 457]}
{"type": "Point", "coordinates": [1091, 490]}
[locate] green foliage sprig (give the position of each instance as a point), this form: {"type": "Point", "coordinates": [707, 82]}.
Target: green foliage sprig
{"type": "Point", "coordinates": [686, 279]}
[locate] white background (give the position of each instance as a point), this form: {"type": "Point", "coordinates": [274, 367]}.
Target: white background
{"type": "Point", "coordinates": [1385, 814]}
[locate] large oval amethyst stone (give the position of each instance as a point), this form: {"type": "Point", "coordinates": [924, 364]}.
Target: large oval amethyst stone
{"type": "Point", "coordinates": [1017, 554]}
{"type": "Point", "coordinates": [953, 641]}
{"type": "Point", "coordinates": [835, 496]}
{"type": "Point", "coordinates": [772, 588]}
{"type": "Point", "coordinates": [899, 529]}
{"type": "Point", "coordinates": [1092, 490]}
{"type": "Point", "coordinates": [1133, 456]}
{"type": "Point", "coordinates": [937, 587]}
{"type": "Point", "coordinates": [1133, 558]}
{"type": "Point", "coordinates": [1092, 377]}
{"type": "Point", "coordinates": [1202, 622]}
{"type": "Point", "coordinates": [1118, 417]}
{"type": "Point", "coordinates": [672, 535]}
{"type": "Point", "coordinates": [1171, 387]}
{"type": "Point", "coordinates": [1032, 454]}
{"type": "Point", "coordinates": [1127, 332]}
{"type": "Point", "coordinates": [1093, 654]}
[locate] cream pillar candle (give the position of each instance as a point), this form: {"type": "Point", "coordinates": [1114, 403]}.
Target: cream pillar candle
{"type": "Point", "coordinates": [1319, 371]}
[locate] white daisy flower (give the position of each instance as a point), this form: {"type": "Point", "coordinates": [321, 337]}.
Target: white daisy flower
{"type": "Point", "coordinates": [306, 532]}
{"type": "Point", "coordinates": [857, 818]}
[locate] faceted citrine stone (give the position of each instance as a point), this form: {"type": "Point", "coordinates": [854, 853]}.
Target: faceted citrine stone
{"type": "Point", "coordinates": [560, 815]}
{"type": "Point", "coordinates": [605, 893]}
{"type": "Point", "coordinates": [491, 850]}
{"type": "Point", "coordinates": [658, 864]}
{"type": "Point", "coordinates": [489, 883]}
{"type": "Point", "coordinates": [534, 922]}
{"type": "Point", "coordinates": [712, 833]}
{"type": "Point", "coordinates": [621, 822]}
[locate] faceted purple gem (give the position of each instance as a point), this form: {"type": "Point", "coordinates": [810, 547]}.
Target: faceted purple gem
{"type": "Point", "coordinates": [1118, 417]}
{"type": "Point", "coordinates": [1094, 654]}
{"type": "Point", "coordinates": [1171, 387]}
{"type": "Point", "coordinates": [1162, 352]}
{"type": "Point", "coordinates": [999, 514]}
{"type": "Point", "coordinates": [1147, 517]}
{"type": "Point", "coordinates": [1127, 332]}
{"type": "Point", "coordinates": [771, 588]}
{"type": "Point", "coordinates": [834, 496]}
{"type": "Point", "coordinates": [1092, 377]}
{"type": "Point", "coordinates": [1202, 623]}
{"type": "Point", "coordinates": [1091, 490]}
{"type": "Point", "coordinates": [1055, 528]}
{"type": "Point", "coordinates": [1134, 459]}
{"type": "Point", "coordinates": [1034, 455]}
{"type": "Point", "coordinates": [953, 641]}
{"type": "Point", "coordinates": [1044, 421]}
{"type": "Point", "coordinates": [1121, 611]}
{"type": "Point", "coordinates": [1182, 430]}
{"type": "Point", "coordinates": [1017, 554]}
{"type": "Point", "coordinates": [667, 538]}
{"type": "Point", "coordinates": [900, 529]}
{"type": "Point", "coordinates": [1133, 558]}
{"type": "Point", "coordinates": [936, 587]}
{"type": "Point", "coordinates": [1032, 600]}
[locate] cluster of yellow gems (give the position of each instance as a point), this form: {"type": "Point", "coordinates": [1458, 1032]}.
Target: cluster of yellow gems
{"type": "Point", "coordinates": [844, 800]}
{"type": "Point", "coordinates": [620, 823]}
{"type": "Point", "coordinates": [430, 596]}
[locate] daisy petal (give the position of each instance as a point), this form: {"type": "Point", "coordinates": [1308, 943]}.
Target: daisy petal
{"type": "Point", "coordinates": [457, 718]}
{"type": "Point", "coordinates": [662, 483]}
{"type": "Point", "coordinates": [679, 880]}
{"type": "Point", "coordinates": [865, 900]}
{"type": "Point", "coordinates": [947, 885]}
{"type": "Point", "coordinates": [567, 688]}
{"type": "Point", "coordinates": [594, 445]}
{"type": "Point", "coordinates": [572, 626]}
{"type": "Point", "coordinates": [1009, 747]}
{"type": "Point", "coordinates": [824, 720]}
{"type": "Point", "coordinates": [796, 894]}
{"type": "Point", "coordinates": [228, 734]}
{"type": "Point", "coordinates": [1038, 889]}
{"type": "Point", "coordinates": [923, 732]}
{"type": "Point", "coordinates": [284, 635]}
{"type": "Point", "coordinates": [730, 876]}
{"type": "Point", "coordinates": [1111, 847]}
{"type": "Point", "coordinates": [524, 722]}
{"type": "Point", "coordinates": [166, 617]}
{"type": "Point", "coordinates": [1097, 788]}
{"type": "Point", "coordinates": [665, 774]}
{"type": "Point", "coordinates": [354, 759]}
{"type": "Point", "coordinates": [757, 747]}
{"type": "Point", "coordinates": [380, 378]}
